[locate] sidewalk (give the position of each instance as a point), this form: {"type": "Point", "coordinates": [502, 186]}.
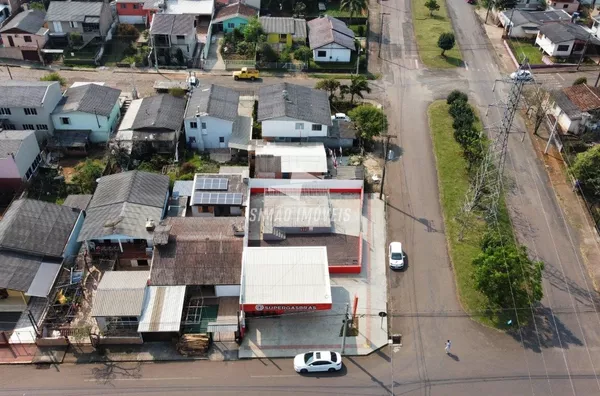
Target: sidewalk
{"type": "Point", "coordinates": [147, 352]}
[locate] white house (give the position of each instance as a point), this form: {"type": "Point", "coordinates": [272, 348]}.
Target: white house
{"type": "Point", "coordinates": [293, 113]}
{"type": "Point", "coordinates": [576, 108]}
{"type": "Point", "coordinates": [526, 24]}
{"type": "Point", "coordinates": [564, 39]}
{"type": "Point", "coordinates": [27, 105]}
{"type": "Point", "coordinates": [330, 40]}
{"type": "Point", "coordinates": [171, 32]}
{"type": "Point", "coordinates": [530, 5]}
{"type": "Point", "coordinates": [88, 107]}
{"type": "Point", "coordinates": [569, 6]}
{"type": "Point", "coordinates": [290, 161]}
{"type": "Point", "coordinates": [19, 157]}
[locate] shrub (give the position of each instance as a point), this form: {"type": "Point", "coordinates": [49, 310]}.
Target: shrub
{"type": "Point", "coordinates": [361, 31]}
{"type": "Point", "coordinates": [75, 38]}
{"type": "Point", "coordinates": [179, 56]}
{"type": "Point", "coordinates": [303, 53]}
{"type": "Point", "coordinates": [456, 95]}
{"type": "Point", "coordinates": [267, 53]}
{"type": "Point", "coordinates": [580, 80]}
{"type": "Point", "coordinates": [459, 107]}
{"type": "Point", "coordinates": [128, 32]}
{"type": "Point", "coordinates": [244, 48]}
{"type": "Point", "coordinates": [187, 167]}
{"type": "Point", "coordinates": [54, 77]}
{"type": "Point", "coordinates": [177, 92]}
{"type": "Point", "coordinates": [286, 55]}
{"type": "Point", "coordinates": [130, 51]}
{"type": "Point", "coordinates": [464, 120]}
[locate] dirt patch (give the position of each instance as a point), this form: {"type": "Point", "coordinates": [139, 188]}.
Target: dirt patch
{"type": "Point", "coordinates": [68, 164]}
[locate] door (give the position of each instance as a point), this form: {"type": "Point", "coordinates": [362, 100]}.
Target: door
{"type": "Point", "coordinates": [11, 42]}
{"type": "Point", "coordinates": [57, 27]}
{"type": "Point", "coordinates": [30, 55]}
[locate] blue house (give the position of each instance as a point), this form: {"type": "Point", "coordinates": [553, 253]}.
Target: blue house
{"type": "Point", "coordinates": [88, 111]}
{"type": "Point", "coordinates": [234, 16]}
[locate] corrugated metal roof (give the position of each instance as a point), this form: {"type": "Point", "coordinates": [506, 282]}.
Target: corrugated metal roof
{"type": "Point", "coordinates": [283, 25]}
{"type": "Point", "coordinates": [183, 188]}
{"type": "Point", "coordinates": [162, 310]}
{"type": "Point", "coordinates": [66, 11]}
{"type": "Point", "coordinates": [120, 293]}
{"type": "Point", "coordinates": [295, 157]}
{"type": "Point", "coordinates": [170, 24]}
{"type": "Point", "coordinates": [285, 275]}
{"type": "Point", "coordinates": [293, 101]}
{"type": "Point", "coordinates": [43, 280]}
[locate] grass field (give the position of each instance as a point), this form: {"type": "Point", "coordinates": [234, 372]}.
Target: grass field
{"type": "Point", "coordinates": [428, 30]}
{"type": "Point", "coordinates": [521, 47]}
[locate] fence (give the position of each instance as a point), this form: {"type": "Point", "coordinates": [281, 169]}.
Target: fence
{"type": "Point", "coordinates": [292, 67]}
{"type": "Point", "coordinates": [234, 64]}
{"type": "Point", "coordinates": [206, 48]}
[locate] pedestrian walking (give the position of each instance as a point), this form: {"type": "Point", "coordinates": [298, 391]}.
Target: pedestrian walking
{"type": "Point", "coordinates": [448, 345]}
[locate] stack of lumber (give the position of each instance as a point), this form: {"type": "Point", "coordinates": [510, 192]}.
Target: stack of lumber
{"type": "Point", "coordinates": [193, 344]}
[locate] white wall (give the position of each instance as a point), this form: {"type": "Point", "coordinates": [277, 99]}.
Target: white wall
{"type": "Point", "coordinates": [227, 290]}
{"type": "Point", "coordinates": [188, 46]}
{"type": "Point", "coordinates": [286, 127]}
{"type": "Point", "coordinates": [333, 53]}
{"type": "Point", "coordinates": [552, 49]}
{"type": "Point", "coordinates": [27, 152]}
{"type": "Point", "coordinates": [306, 183]}
{"type": "Point", "coordinates": [565, 123]}
{"type": "Point", "coordinates": [8, 169]}
{"type": "Point", "coordinates": [209, 139]}
{"type": "Point", "coordinates": [132, 19]}
{"type": "Point", "coordinates": [99, 125]}
{"type": "Point", "coordinates": [19, 118]}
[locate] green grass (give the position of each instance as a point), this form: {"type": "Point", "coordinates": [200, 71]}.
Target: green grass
{"type": "Point", "coordinates": [357, 28]}
{"type": "Point", "coordinates": [114, 51]}
{"type": "Point", "coordinates": [527, 48]}
{"type": "Point", "coordinates": [428, 30]}
{"type": "Point", "coordinates": [333, 9]}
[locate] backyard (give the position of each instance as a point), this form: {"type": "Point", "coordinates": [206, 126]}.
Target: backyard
{"type": "Point", "coordinates": [526, 48]}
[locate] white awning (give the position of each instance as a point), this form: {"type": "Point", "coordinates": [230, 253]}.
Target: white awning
{"type": "Point", "coordinates": [162, 310]}
{"type": "Point", "coordinates": [44, 280]}
{"type": "Point", "coordinates": [215, 327]}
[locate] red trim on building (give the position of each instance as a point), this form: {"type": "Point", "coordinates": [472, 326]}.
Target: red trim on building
{"type": "Point", "coordinates": [345, 269]}
{"type": "Point", "coordinates": [278, 309]}
{"type": "Point", "coordinates": [261, 190]}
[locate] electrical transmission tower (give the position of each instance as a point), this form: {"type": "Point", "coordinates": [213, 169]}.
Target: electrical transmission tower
{"type": "Point", "coordinates": [486, 188]}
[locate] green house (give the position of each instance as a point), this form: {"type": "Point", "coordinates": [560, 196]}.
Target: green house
{"type": "Point", "coordinates": [284, 31]}
{"type": "Point", "coordinates": [233, 16]}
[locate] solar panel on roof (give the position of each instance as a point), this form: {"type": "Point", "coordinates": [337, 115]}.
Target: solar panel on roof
{"type": "Point", "coordinates": [208, 183]}
{"type": "Point", "coordinates": [212, 198]}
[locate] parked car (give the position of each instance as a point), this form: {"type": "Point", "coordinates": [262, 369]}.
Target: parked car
{"type": "Point", "coordinates": [396, 255]}
{"type": "Point", "coordinates": [246, 74]}
{"type": "Point", "coordinates": [524, 75]}
{"type": "Point", "coordinates": [318, 361]}
{"type": "Point", "coordinates": [340, 117]}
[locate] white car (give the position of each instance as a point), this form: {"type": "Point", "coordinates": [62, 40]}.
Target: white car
{"type": "Point", "coordinates": [340, 117]}
{"type": "Point", "coordinates": [396, 255]}
{"type": "Point", "coordinates": [317, 361]}
{"type": "Point", "coordinates": [524, 75]}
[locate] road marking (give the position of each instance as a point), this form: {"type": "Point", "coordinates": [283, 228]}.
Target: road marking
{"type": "Point", "coordinates": [416, 64]}
{"type": "Point", "coordinates": [273, 376]}
{"type": "Point", "coordinates": [142, 379]}
{"type": "Point", "coordinates": [561, 77]}
{"type": "Point", "coordinates": [466, 66]}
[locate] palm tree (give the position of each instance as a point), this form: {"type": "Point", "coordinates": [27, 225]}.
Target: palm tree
{"type": "Point", "coordinates": [354, 7]}
{"type": "Point", "coordinates": [358, 85]}
{"type": "Point", "coordinates": [330, 85]}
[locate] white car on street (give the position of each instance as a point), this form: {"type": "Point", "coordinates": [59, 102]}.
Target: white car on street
{"type": "Point", "coordinates": [317, 361]}
{"type": "Point", "coordinates": [396, 255]}
{"type": "Point", "coordinates": [523, 75]}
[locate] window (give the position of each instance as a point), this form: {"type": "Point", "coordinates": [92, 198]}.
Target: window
{"type": "Point", "coordinates": [91, 27]}
{"type": "Point", "coordinates": [142, 263]}
{"type": "Point", "coordinates": [180, 38]}
{"type": "Point", "coordinates": [4, 111]}
{"type": "Point", "coordinates": [317, 127]}
{"type": "Point", "coordinates": [562, 48]}
{"type": "Point", "coordinates": [73, 24]}
{"type": "Point", "coordinates": [65, 121]}
{"type": "Point", "coordinates": [231, 25]}
{"type": "Point", "coordinates": [299, 126]}
{"type": "Point", "coordinates": [203, 125]}
{"type": "Point", "coordinates": [136, 6]}
{"type": "Point", "coordinates": [221, 139]}
{"type": "Point", "coordinates": [283, 37]}
{"type": "Point", "coordinates": [122, 323]}
{"type": "Point", "coordinates": [192, 139]}
{"type": "Point", "coordinates": [193, 125]}
{"type": "Point", "coordinates": [10, 126]}
{"type": "Point", "coordinates": [28, 127]}
{"type": "Point", "coordinates": [321, 54]}
{"type": "Point", "coordinates": [41, 127]}
{"type": "Point", "coordinates": [123, 6]}
{"type": "Point", "coordinates": [565, 6]}
{"type": "Point", "coordinates": [28, 174]}
{"type": "Point", "coordinates": [30, 111]}
{"type": "Point", "coordinates": [27, 39]}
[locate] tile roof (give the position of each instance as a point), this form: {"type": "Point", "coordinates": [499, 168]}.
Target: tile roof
{"type": "Point", "coordinates": [180, 24]}
{"type": "Point", "coordinates": [137, 187]}
{"type": "Point", "coordinates": [560, 32]}
{"type": "Point", "coordinates": [328, 30]}
{"type": "Point", "coordinates": [11, 141]}
{"type": "Point", "coordinates": [215, 101]}
{"type": "Point", "coordinates": [79, 201]}
{"type": "Point", "coordinates": [234, 10]}
{"type": "Point", "coordinates": [280, 25]}
{"type": "Point", "coordinates": [18, 270]}
{"type": "Point", "coordinates": [120, 293]}
{"type": "Point", "coordinates": [30, 21]}
{"type": "Point", "coordinates": [160, 112]}
{"type": "Point", "coordinates": [564, 103]}
{"type": "Point", "coordinates": [200, 251]}
{"type": "Point", "coordinates": [302, 103]}
{"type": "Point", "coordinates": [89, 98]}
{"type": "Point", "coordinates": [584, 97]}
{"type": "Point", "coordinates": [37, 227]}
{"type": "Point", "coordinates": [23, 93]}
{"type": "Point", "coordinates": [73, 10]}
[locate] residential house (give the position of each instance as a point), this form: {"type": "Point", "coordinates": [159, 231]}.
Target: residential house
{"type": "Point", "coordinates": [569, 6]}
{"type": "Point", "coordinates": [27, 105]}
{"type": "Point", "coordinates": [330, 40]}
{"type": "Point", "coordinates": [132, 12]}
{"type": "Point", "coordinates": [577, 108]}
{"type": "Point", "coordinates": [251, 3]}
{"type": "Point", "coordinates": [530, 5]}
{"type": "Point", "coordinates": [20, 157]}
{"type": "Point", "coordinates": [27, 33]}
{"type": "Point", "coordinates": [526, 24]}
{"type": "Point", "coordinates": [173, 32]}
{"type": "Point", "coordinates": [91, 20]}
{"type": "Point", "coordinates": [293, 113]}
{"type": "Point", "coordinates": [152, 123]}
{"type": "Point", "coordinates": [122, 214]}
{"type": "Point", "coordinates": [565, 39]}
{"type": "Point", "coordinates": [91, 108]}
{"type": "Point", "coordinates": [36, 238]}
{"type": "Point", "coordinates": [5, 11]}
{"type": "Point", "coordinates": [219, 195]}
{"type": "Point", "coordinates": [290, 161]}
{"type": "Point", "coordinates": [233, 16]}
{"type": "Point", "coordinates": [211, 119]}
{"type": "Point", "coordinates": [283, 32]}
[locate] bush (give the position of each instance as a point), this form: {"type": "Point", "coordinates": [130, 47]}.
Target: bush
{"type": "Point", "coordinates": [187, 167]}
{"type": "Point", "coordinates": [464, 120]}
{"type": "Point", "coordinates": [128, 32]}
{"type": "Point", "coordinates": [54, 77]}
{"type": "Point", "coordinates": [177, 92]}
{"type": "Point", "coordinates": [130, 51]}
{"type": "Point", "coordinates": [459, 107]}
{"type": "Point", "coordinates": [303, 53]}
{"type": "Point", "coordinates": [75, 38]}
{"type": "Point", "coordinates": [361, 30]}
{"type": "Point", "coordinates": [244, 48]}
{"type": "Point", "coordinates": [580, 80]}
{"type": "Point", "coordinates": [286, 55]}
{"type": "Point", "coordinates": [267, 53]}
{"type": "Point", "coordinates": [179, 56]}
{"type": "Point", "coordinates": [456, 95]}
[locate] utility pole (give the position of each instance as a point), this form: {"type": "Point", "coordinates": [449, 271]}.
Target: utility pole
{"type": "Point", "coordinates": [8, 70]}
{"type": "Point", "coordinates": [358, 60]}
{"type": "Point", "coordinates": [583, 52]}
{"type": "Point", "coordinates": [490, 3]}
{"type": "Point", "coordinates": [381, 32]}
{"type": "Point", "coordinates": [345, 330]}
{"type": "Point", "coordinates": [387, 158]}
{"type": "Point", "coordinates": [552, 133]}
{"type": "Point", "coordinates": [597, 80]}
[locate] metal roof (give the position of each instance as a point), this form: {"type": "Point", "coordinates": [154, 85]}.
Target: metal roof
{"type": "Point", "coordinates": [23, 93]}
{"type": "Point", "coordinates": [11, 141]}
{"type": "Point", "coordinates": [293, 157]}
{"type": "Point", "coordinates": [159, 112]}
{"type": "Point", "coordinates": [76, 11]}
{"type": "Point", "coordinates": [89, 98]}
{"type": "Point", "coordinates": [235, 185]}
{"type": "Point", "coordinates": [120, 293]}
{"type": "Point", "coordinates": [44, 280]}
{"type": "Point", "coordinates": [285, 275]}
{"type": "Point", "coordinates": [214, 101]}
{"type": "Point", "coordinates": [328, 30]}
{"type": "Point", "coordinates": [79, 201]}
{"type": "Point", "coordinates": [282, 25]}
{"type": "Point", "coordinates": [172, 24]}
{"type": "Point", "coordinates": [521, 17]}
{"type": "Point", "coordinates": [561, 32]}
{"type": "Point", "coordinates": [162, 310]}
{"type": "Point", "coordinates": [18, 270]}
{"type": "Point", "coordinates": [37, 227]}
{"type": "Point", "coordinates": [119, 219]}
{"type": "Point", "coordinates": [183, 188]}
{"type": "Point", "coordinates": [284, 211]}
{"type": "Point", "coordinates": [30, 21]}
{"type": "Point", "coordinates": [241, 133]}
{"type": "Point", "coordinates": [293, 101]}
{"type": "Point", "coordinates": [137, 187]}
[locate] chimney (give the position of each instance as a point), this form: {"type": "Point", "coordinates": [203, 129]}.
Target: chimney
{"type": "Point", "coordinates": [150, 225]}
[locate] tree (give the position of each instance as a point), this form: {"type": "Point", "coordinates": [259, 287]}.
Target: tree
{"type": "Point", "coordinates": [501, 5]}
{"type": "Point", "coordinates": [54, 77]}
{"type": "Point", "coordinates": [303, 53]}
{"type": "Point", "coordinates": [358, 85]}
{"type": "Point", "coordinates": [353, 7]}
{"type": "Point", "coordinates": [267, 53]}
{"type": "Point", "coordinates": [369, 122]}
{"type": "Point", "coordinates": [432, 5]}
{"type": "Point", "coordinates": [580, 80]}
{"type": "Point", "coordinates": [331, 85]}
{"type": "Point", "coordinates": [457, 95]}
{"type": "Point", "coordinates": [179, 56]}
{"type": "Point", "coordinates": [253, 31]}
{"type": "Point", "coordinates": [299, 9]}
{"type": "Point", "coordinates": [86, 174]}
{"type": "Point", "coordinates": [37, 5]}
{"type": "Point", "coordinates": [446, 42]}
{"type": "Point", "coordinates": [586, 169]}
